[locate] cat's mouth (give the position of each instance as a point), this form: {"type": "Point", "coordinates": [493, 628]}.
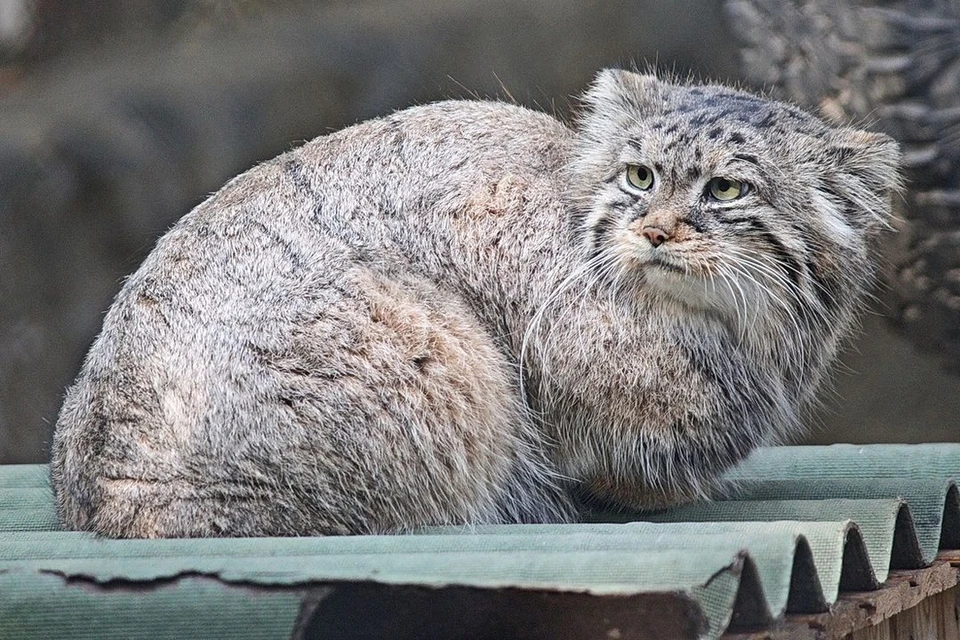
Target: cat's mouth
{"type": "Point", "coordinates": [661, 263]}
{"type": "Point", "coordinates": [658, 260]}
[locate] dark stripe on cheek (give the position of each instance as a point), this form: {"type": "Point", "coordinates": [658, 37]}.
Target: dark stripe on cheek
{"type": "Point", "coordinates": [599, 234]}
{"type": "Point", "coordinates": [752, 222]}
{"type": "Point", "coordinates": [786, 259]}
{"type": "Point", "coordinates": [826, 288]}
{"type": "Point", "coordinates": [694, 223]}
{"type": "Point", "coordinates": [577, 218]}
{"type": "Point", "coordinates": [779, 251]}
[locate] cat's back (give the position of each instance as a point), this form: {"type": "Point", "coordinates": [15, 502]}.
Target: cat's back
{"type": "Point", "coordinates": [452, 146]}
{"type": "Point", "coordinates": [363, 193]}
{"type": "Point", "coordinates": [427, 162]}
{"type": "Point", "coordinates": [359, 188]}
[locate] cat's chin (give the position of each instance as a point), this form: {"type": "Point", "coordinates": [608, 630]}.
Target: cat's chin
{"type": "Point", "coordinates": [667, 280]}
{"type": "Point", "coordinates": [695, 292]}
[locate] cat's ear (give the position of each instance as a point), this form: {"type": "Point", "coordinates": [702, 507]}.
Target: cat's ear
{"type": "Point", "coordinates": [865, 173]}
{"type": "Point", "coordinates": [624, 89]}
{"type": "Point", "coordinates": [872, 157]}
{"type": "Point", "coordinates": [613, 104]}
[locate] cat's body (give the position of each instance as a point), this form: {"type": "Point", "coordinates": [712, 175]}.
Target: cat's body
{"type": "Point", "coordinates": [333, 342]}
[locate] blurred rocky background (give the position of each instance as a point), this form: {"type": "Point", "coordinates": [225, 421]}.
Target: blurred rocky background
{"type": "Point", "coordinates": [118, 116]}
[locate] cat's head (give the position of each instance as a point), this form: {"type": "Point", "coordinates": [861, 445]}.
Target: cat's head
{"type": "Point", "coordinates": [726, 201]}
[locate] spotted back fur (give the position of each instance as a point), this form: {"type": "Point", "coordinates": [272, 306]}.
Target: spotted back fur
{"type": "Point", "coordinates": [465, 313]}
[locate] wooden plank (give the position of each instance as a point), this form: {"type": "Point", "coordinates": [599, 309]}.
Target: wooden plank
{"type": "Point", "coordinates": [935, 618]}
{"type": "Point", "coordinates": [910, 604]}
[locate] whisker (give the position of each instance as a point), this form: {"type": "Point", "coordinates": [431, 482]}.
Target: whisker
{"type": "Point", "coordinates": [554, 296]}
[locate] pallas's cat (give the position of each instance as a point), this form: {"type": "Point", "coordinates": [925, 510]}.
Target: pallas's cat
{"type": "Point", "coordinates": [466, 312]}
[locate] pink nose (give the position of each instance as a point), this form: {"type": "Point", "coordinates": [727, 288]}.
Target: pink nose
{"type": "Point", "coordinates": [655, 235]}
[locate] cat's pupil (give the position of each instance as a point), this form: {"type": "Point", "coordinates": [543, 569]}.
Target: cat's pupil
{"type": "Point", "coordinates": [723, 185]}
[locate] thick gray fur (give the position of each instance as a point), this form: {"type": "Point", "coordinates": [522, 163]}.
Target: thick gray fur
{"type": "Point", "coordinates": [453, 315]}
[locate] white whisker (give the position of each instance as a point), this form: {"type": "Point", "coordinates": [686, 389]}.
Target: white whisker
{"type": "Point", "coordinates": [535, 323]}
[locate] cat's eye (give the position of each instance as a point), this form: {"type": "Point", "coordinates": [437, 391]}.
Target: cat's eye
{"type": "Point", "coordinates": [639, 177]}
{"type": "Point", "coordinates": [724, 189]}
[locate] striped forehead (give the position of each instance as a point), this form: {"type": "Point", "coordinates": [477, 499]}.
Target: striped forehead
{"type": "Point", "coordinates": [726, 118]}
{"type": "Point", "coordinates": [695, 130]}
{"type": "Point", "coordinates": [681, 153]}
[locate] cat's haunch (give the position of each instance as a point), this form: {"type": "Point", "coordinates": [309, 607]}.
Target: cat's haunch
{"type": "Point", "coordinates": [466, 312]}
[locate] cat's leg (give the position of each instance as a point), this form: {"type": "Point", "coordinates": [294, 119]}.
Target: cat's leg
{"type": "Point", "coordinates": [381, 407]}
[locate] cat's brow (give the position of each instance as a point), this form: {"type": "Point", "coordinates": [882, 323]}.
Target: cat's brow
{"type": "Point", "coordinates": [636, 144]}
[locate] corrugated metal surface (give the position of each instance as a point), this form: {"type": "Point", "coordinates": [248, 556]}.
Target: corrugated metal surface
{"type": "Point", "coordinates": [794, 527]}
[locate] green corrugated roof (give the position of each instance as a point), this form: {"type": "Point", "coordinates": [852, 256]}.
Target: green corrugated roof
{"type": "Point", "coordinates": [793, 528]}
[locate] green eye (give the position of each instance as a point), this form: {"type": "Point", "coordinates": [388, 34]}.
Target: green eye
{"type": "Point", "coordinates": [639, 177]}
{"type": "Point", "coordinates": [724, 189]}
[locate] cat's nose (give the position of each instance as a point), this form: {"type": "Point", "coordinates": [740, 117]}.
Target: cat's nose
{"type": "Point", "coordinates": [655, 235]}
